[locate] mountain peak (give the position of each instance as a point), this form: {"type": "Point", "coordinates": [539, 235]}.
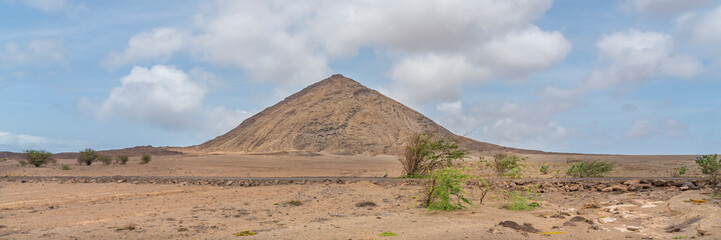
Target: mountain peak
{"type": "Point", "coordinates": [336, 115]}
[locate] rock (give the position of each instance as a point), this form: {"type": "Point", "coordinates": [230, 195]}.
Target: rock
{"type": "Point", "coordinates": [526, 227]}
{"type": "Point", "coordinates": [684, 188]}
{"type": "Point", "coordinates": [633, 228]}
{"type": "Point", "coordinates": [494, 231]}
{"type": "Point", "coordinates": [659, 183]}
{"type": "Point", "coordinates": [608, 189]}
{"type": "Point", "coordinates": [121, 181]}
{"type": "Point", "coordinates": [632, 182]}
{"type": "Point", "coordinates": [620, 187]}
{"type": "Point", "coordinates": [688, 184]}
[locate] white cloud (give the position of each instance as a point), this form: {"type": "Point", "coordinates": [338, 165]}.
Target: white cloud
{"type": "Point", "coordinates": [702, 29]}
{"type": "Point", "coordinates": [292, 42]}
{"type": "Point", "coordinates": [517, 124]}
{"type": "Point", "coordinates": [167, 97]}
{"type": "Point", "coordinates": [663, 8]}
{"type": "Point", "coordinates": [645, 128]}
{"type": "Point", "coordinates": [632, 57]}
{"type": "Point", "coordinates": [47, 5]}
{"type": "Point", "coordinates": [33, 52]}
{"type": "Point", "coordinates": [158, 43]}
{"type": "Point", "coordinates": [19, 142]}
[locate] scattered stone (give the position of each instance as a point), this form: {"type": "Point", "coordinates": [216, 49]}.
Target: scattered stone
{"type": "Point", "coordinates": [619, 187]}
{"type": "Point", "coordinates": [632, 182]}
{"type": "Point", "coordinates": [633, 228]}
{"type": "Point", "coordinates": [558, 216]}
{"type": "Point", "coordinates": [659, 183]}
{"type": "Point", "coordinates": [687, 185]}
{"type": "Point", "coordinates": [121, 181]}
{"type": "Point", "coordinates": [526, 227]}
{"type": "Point", "coordinates": [494, 231]}
{"type": "Point", "coordinates": [679, 227]}
{"type": "Point", "coordinates": [683, 188]}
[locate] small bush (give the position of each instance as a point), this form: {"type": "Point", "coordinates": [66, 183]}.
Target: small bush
{"type": "Point", "coordinates": [38, 157]}
{"type": "Point", "coordinates": [421, 155]}
{"type": "Point", "coordinates": [145, 159]}
{"type": "Point", "coordinates": [105, 159]}
{"type": "Point", "coordinates": [682, 170]}
{"type": "Point", "coordinates": [711, 166]}
{"type": "Point", "coordinates": [524, 199]}
{"type": "Point", "coordinates": [294, 203]}
{"type": "Point", "coordinates": [589, 169]}
{"type": "Point", "coordinates": [544, 168]}
{"type": "Point", "coordinates": [87, 156]}
{"type": "Point", "coordinates": [22, 163]}
{"type": "Point", "coordinates": [66, 167]}
{"type": "Point", "coordinates": [506, 165]}
{"type": "Point", "coordinates": [122, 159]}
{"type": "Point", "coordinates": [387, 234]}
{"type": "Point", "coordinates": [446, 191]}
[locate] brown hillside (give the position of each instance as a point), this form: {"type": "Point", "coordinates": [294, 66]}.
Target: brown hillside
{"type": "Point", "coordinates": [337, 115]}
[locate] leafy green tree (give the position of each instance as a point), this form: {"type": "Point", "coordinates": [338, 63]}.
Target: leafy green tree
{"type": "Point", "coordinates": [508, 165]}
{"type": "Point", "coordinates": [711, 166]}
{"type": "Point", "coordinates": [122, 159]}
{"type": "Point", "coordinates": [422, 154]}
{"type": "Point", "coordinates": [446, 191]}
{"type": "Point", "coordinates": [38, 157]}
{"type": "Point", "coordinates": [145, 159]}
{"type": "Point", "coordinates": [87, 156]}
{"type": "Point", "coordinates": [589, 169]}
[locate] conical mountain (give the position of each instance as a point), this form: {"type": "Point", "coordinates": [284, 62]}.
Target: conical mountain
{"type": "Point", "coordinates": [337, 115]}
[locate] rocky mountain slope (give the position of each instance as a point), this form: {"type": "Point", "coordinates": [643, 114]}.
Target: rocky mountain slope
{"type": "Point", "coordinates": [337, 115]}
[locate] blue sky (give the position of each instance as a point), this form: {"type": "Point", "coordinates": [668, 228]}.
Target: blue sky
{"type": "Point", "coordinates": [628, 76]}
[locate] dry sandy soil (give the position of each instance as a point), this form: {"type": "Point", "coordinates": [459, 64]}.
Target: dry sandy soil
{"type": "Point", "coordinates": [328, 211]}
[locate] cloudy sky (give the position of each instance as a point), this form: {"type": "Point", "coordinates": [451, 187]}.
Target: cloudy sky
{"type": "Point", "coordinates": [626, 76]}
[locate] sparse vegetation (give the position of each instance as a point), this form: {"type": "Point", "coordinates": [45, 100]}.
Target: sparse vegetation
{"type": "Point", "coordinates": [523, 199]}
{"type": "Point", "coordinates": [145, 159]}
{"type": "Point", "coordinates": [87, 157]}
{"type": "Point", "coordinates": [711, 166]}
{"type": "Point", "coordinates": [508, 165]}
{"type": "Point", "coordinates": [544, 168]}
{"type": "Point", "coordinates": [294, 203]}
{"type": "Point", "coordinates": [589, 168]}
{"type": "Point", "coordinates": [121, 159]}
{"type": "Point", "coordinates": [682, 170]}
{"type": "Point", "coordinates": [65, 167]}
{"type": "Point", "coordinates": [446, 191]}
{"type": "Point", "coordinates": [129, 227]}
{"type": "Point", "coordinates": [422, 155]}
{"type": "Point", "coordinates": [105, 160]}
{"type": "Point", "coordinates": [245, 233]}
{"type": "Point", "coordinates": [22, 163]}
{"type": "Point", "coordinates": [38, 157]}
{"type": "Point", "coordinates": [387, 234]}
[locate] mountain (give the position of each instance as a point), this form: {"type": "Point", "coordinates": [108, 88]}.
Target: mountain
{"type": "Point", "coordinates": [339, 116]}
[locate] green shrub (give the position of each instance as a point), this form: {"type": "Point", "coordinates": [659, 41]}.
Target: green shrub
{"type": "Point", "coordinates": [506, 165]}
{"type": "Point", "coordinates": [122, 159]}
{"type": "Point", "coordinates": [66, 167]}
{"type": "Point", "coordinates": [145, 159]}
{"type": "Point", "coordinates": [422, 155]}
{"type": "Point", "coordinates": [524, 199]}
{"type": "Point", "coordinates": [711, 166]}
{"type": "Point", "coordinates": [105, 160]}
{"type": "Point", "coordinates": [22, 163]}
{"type": "Point", "coordinates": [589, 169]}
{"type": "Point", "coordinates": [38, 157]}
{"type": "Point", "coordinates": [682, 170]}
{"type": "Point", "coordinates": [446, 191]}
{"type": "Point", "coordinates": [544, 168]}
{"type": "Point", "coordinates": [87, 156]}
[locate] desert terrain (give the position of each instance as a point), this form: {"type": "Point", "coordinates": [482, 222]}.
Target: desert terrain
{"type": "Point", "coordinates": [52, 209]}
{"type": "Point", "coordinates": [323, 164]}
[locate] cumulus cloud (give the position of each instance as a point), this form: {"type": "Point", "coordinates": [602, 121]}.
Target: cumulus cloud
{"type": "Point", "coordinates": [167, 97]}
{"type": "Point", "coordinates": [157, 43]}
{"type": "Point", "coordinates": [662, 8]}
{"type": "Point", "coordinates": [631, 57]}
{"type": "Point", "coordinates": [702, 29]}
{"type": "Point", "coordinates": [19, 142]}
{"type": "Point", "coordinates": [292, 42]}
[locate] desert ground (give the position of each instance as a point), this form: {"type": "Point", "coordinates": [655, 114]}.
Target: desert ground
{"type": "Point", "coordinates": [331, 210]}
